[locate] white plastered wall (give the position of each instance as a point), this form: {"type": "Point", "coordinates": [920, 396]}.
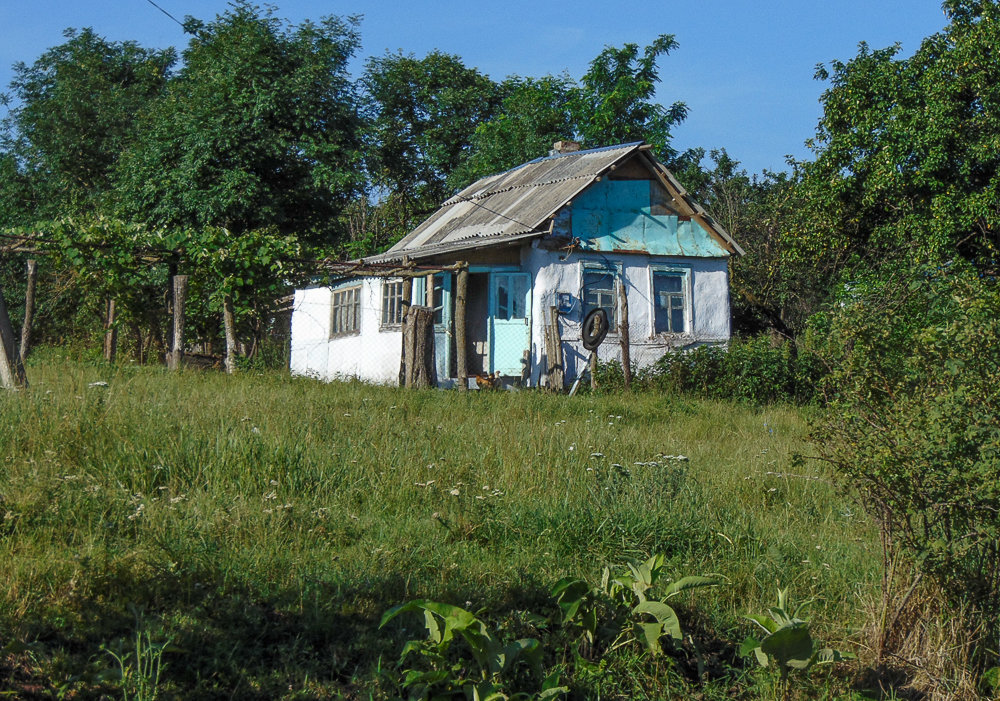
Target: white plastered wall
{"type": "Point", "coordinates": [371, 355]}
{"type": "Point", "coordinates": [554, 272]}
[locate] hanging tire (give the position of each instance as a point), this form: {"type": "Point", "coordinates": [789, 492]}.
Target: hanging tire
{"type": "Point", "coordinates": [595, 328]}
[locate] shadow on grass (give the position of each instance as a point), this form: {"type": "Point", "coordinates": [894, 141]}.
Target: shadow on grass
{"type": "Point", "coordinates": [248, 640]}
{"type": "Point", "coordinates": [229, 639]}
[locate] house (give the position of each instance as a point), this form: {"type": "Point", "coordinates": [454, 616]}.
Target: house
{"type": "Point", "coordinates": [559, 231]}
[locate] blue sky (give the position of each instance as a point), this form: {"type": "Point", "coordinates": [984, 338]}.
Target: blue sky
{"type": "Point", "coordinates": [744, 68]}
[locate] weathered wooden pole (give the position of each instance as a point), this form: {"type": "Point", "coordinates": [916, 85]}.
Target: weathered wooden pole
{"type": "Point", "coordinates": [29, 311]}
{"type": "Point", "coordinates": [176, 356]}
{"type": "Point", "coordinates": [429, 291]}
{"type": "Point", "coordinates": [556, 371]}
{"type": "Point", "coordinates": [11, 370]}
{"type": "Point", "coordinates": [110, 331]}
{"type": "Point", "coordinates": [461, 349]}
{"type": "Point", "coordinates": [623, 335]}
{"type": "Point", "coordinates": [229, 323]}
{"type": "Point", "coordinates": [418, 335]}
{"type": "Point", "coordinates": [404, 309]}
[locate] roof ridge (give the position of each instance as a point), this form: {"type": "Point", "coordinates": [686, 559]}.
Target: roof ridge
{"type": "Point", "coordinates": [598, 149]}
{"type": "Point", "coordinates": [489, 193]}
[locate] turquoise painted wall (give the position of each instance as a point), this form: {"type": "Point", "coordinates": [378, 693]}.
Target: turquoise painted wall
{"type": "Point", "coordinates": [616, 215]}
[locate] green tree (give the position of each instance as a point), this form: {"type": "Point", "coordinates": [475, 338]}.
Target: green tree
{"type": "Point", "coordinates": [253, 151]}
{"type": "Point", "coordinates": [423, 114]}
{"type": "Point", "coordinates": [76, 112]}
{"type": "Point", "coordinates": [533, 115]}
{"type": "Point", "coordinates": [906, 148]}
{"type": "Point", "coordinates": [615, 101]}
{"type": "Point", "coordinates": [16, 197]}
{"type": "Point", "coordinates": [259, 129]}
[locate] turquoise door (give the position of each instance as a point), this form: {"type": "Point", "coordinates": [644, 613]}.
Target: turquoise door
{"type": "Point", "coordinates": [442, 325]}
{"type": "Point", "coordinates": [443, 337]}
{"type": "Point", "coordinates": [510, 325]}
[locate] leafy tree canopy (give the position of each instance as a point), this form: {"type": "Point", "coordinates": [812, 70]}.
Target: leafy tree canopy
{"type": "Point", "coordinates": [906, 150]}
{"type": "Point", "coordinates": [533, 115]}
{"type": "Point", "coordinates": [260, 128]}
{"type": "Point", "coordinates": [423, 114]}
{"type": "Point", "coordinates": [75, 115]}
{"type": "Point", "coordinates": [614, 103]}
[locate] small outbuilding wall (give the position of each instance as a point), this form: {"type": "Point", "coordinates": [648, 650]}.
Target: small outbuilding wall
{"type": "Point", "coordinates": [372, 354]}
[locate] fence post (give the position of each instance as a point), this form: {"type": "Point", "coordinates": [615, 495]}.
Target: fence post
{"type": "Point", "coordinates": [110, 331]}
{"type": "Point", "coordinates": [229, 322]}
{"type": "Point", "coordinates": [404, 310]}
{"type": "Point", "coordinates": [177, 349]}
{"type": "Point", "coordinates": [29, 311]}
{"type": "Point", "coordinates": [11, 370]}
{"type": "Point", "coordinates": [429, 291]}
{"type": "Point", "coordinates": [623, 334]}
{"type": "Point", "coordinates": [461, 350]}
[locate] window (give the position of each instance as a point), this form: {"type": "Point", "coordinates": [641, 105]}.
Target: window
{"type": "Point", "coordinates": [345, 315]}
{"type": "Point", "coordinates": [512, 296]}
{"type": "Point", "coordinates": [392, 303]}
{"type": "Point", "coordinates": [441, 285]}
{"type": "Point", "coordinates": [600, 289]}
{"type": "Point", "coordinates": [671, 299]}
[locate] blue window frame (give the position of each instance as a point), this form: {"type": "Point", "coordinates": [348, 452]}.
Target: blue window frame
{"type": "Point", "coordinates": [600, 289]}
{"type": "Point", "coordinates": [672, 308]}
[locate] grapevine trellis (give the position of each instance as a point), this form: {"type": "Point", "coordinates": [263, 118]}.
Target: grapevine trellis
{"type": "Point", "coordinates": [14, 349]}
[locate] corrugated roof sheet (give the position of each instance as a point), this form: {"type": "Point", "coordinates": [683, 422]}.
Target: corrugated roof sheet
{"type": "Point", "coordinates": [507, 206]}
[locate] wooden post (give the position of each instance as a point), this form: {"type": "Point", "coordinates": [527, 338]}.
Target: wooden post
{"type": "Point", "coordinates": [29, 311]}
{"type": "Point", "coordinates": [229, 322]}
{"type": "Point", "coordinates": [11, 370]}
{"type": "Point", "coordinates": [110, 331]}
{"type": "Point", "coordinates": [593, 369]}
{"type": "Point", "coordinates": [557, 372]}
{"type": "Point", "coordinates": [404, 310]}
{"type": "Point", "coordinates": [461, 349]}
{"type": "Point", "coordinates": [418, 340]}
{"type": "Point", "coordinates": [623, 334]}
{"type": "Point", "coordinates": [429, 291]}
{"type": "Point", "coordinates": [177, 349]}
{"type": "Point", "coordinates": [137, 339]}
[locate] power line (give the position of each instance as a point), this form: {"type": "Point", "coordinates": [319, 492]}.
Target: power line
{"type": "Point", "coordinates": [166, 13]}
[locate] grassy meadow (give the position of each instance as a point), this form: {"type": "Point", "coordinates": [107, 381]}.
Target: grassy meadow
{"type": "Point", "coordinates": [263, 524]}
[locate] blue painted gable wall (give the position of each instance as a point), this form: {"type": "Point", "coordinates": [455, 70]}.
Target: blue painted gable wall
{"type": "Point", "coordinates": [617, 215]}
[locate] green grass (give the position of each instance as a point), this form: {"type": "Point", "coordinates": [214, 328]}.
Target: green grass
{"type": "Point", "coordinates": [265, 523]}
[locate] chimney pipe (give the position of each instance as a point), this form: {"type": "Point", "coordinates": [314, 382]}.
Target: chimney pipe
{"type": "Point", "coordinates": [564, 147]}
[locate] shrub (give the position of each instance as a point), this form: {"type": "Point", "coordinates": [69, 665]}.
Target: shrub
{"type": "Point", "coordinates": [756, 370]}
{"type": "Point", "coordinates": [911, 422]}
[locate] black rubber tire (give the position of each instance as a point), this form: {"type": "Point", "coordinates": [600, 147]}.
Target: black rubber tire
{"type": "Point", "coordinates": [595, 328]}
